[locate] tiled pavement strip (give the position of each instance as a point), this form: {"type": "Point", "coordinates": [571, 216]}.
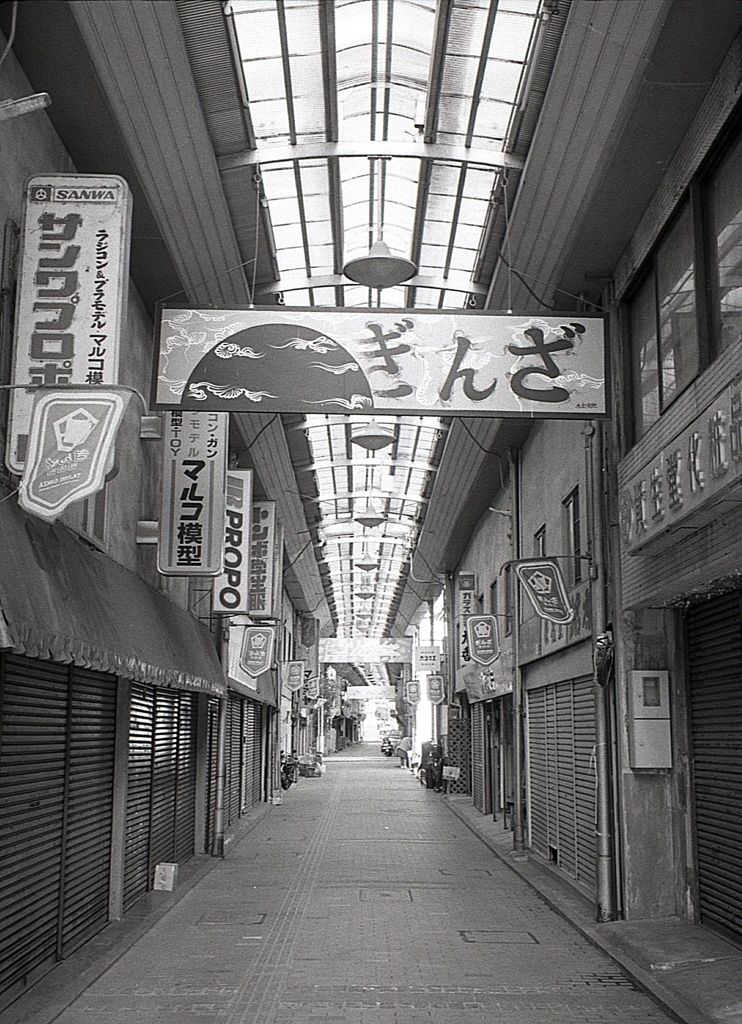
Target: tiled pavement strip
{"type": "Point", "coordinates": [362, 899]}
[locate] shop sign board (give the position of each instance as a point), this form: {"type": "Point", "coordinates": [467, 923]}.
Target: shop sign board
{"type": "Point", "coordinates": [428, 659]}
{"type": "Point", "coordinates": [543, 583]}
{"type": "Point", "coordinates": [72, 291]}
{"type": "Point", "coordinates": [394, 362]}
{"type": "Point", "coordinates": [292, 674]}
{"type": "Point", "coordinates": [412, 691]}
{"type": "Point", "coordinates": [191, 532]}
{"type": "Point", "coordinates": [231, 592]}
{"type": "Point", "coordinates": [264, 582]}
{"type": "Point", "coordinates": [435, 688]}
{"type": "Point", "coordinates": [256, 649]}
{"type": "Point", "coordinates": [484, 638]}
{"type": "Point", "coordinates": [690, 471]}
{"type": "Point", "coordinates": [70, 450]}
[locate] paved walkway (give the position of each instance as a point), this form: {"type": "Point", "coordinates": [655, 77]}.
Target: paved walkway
{"type": "Point", "coordinates": [362, 899]}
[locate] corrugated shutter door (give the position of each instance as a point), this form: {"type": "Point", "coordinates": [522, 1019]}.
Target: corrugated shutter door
{"type": "Point", "coordinates": [185, 805]}
{"type": "Point", "coordinates": [561, 776]}
{"type": "Point", "coordinates": [538, 772]}
{"type": "Point", "coordinates": [89, 807]}
{"type": "Point", "coordinates": [141, 731]}
{"type": "Point", "coordinates": [164, 777]}
{"type": "Point", "coordinates": [32, 777]}
{"type": "Point", "coordinates": [233, 794]}
{"type": "Point", "coordinates": [213, 763]}
{"type": "Point", "coordinates": [715, 655]}
{"type": "Point", "coordinates": [477, 756]}
{"type": "Point", "coordinates": [253, 753]}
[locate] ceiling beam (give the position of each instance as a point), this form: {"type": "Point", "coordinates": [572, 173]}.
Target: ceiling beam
{"type": "Point", "coordinates": [379, 148]}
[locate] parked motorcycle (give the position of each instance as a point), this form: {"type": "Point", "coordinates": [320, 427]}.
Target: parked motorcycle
{"type": "Point", "coordinates": [387, 747]}
{"type": "Point", "coordinates": [289, 770]}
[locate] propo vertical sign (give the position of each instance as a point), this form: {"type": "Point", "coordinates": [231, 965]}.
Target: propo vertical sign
{"type": "Point", "coordinates": [231, 588]}
{"type": "Point", "coordinates": [191, 538]}
{"type": "Point", "coordinates": [73, 290]}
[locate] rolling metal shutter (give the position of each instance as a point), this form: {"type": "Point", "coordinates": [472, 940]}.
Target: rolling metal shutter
{"type": "Point", "coordinates": [477, 756]}
{"type": "Point", "coordinates": [212, 767]}
{"type": "Point", "coordinates": [161, 799]}
{"type": "Point", "coordinates": [87, 838]}
{"type": "Point", "coordinates": [233, 793]}
{"type": "Point", "coordinates": [32, 776]}
{"type": "Point", "coordinates": [253, 753]}
{"type": "Point", "coordinates": [56, 792]}
{"type": "Point", "coordinates": [139, 789]}
{"type": "Point", "coordinates": [185, 799]}
{"type": "Point", "coordinates": [561, 776]}
{"type": "Point", "coordinates": [715, 656]}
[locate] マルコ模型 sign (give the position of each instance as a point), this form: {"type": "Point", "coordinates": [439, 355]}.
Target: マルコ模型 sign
{"type": "Point", "coordinates": [191, 533]}
{"type": "Point", "coordinates": [413, 362]}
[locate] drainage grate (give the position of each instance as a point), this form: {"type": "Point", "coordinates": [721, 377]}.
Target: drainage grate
{"type": "Point", "coordinates": [236, 916]}
{"type": "Point", "coordinates": [500, 937]}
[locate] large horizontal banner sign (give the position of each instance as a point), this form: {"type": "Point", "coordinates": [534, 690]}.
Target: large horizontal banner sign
{"type": "Point", "coordinates": [365, 650]}
{"type": "Point", "coordinates": [72, 290]}
{"type": "Point", "coordinates": [389, 361]}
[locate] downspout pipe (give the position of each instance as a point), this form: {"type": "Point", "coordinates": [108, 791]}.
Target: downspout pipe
{"type": "Point", "coordinates": [606, 904]}
{"type": "Point", "coordinates": [518, 808]}
{"type": "Point", "coordinates": [217, 842]}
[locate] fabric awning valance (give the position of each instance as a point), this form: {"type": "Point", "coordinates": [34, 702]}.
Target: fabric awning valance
{"type": "Point", "coordinates": [63, 601]}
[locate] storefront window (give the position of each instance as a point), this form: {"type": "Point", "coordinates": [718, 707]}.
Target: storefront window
{"type": "Point", "coordinates": [663, 326]}
{"type": "Point", "coordinates": [725, 222]}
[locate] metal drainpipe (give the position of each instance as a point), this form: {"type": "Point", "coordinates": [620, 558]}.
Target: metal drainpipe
{"type": "Point", "coordinates": [605, 909]}
{"type": "Point", "coordinates": [518, 809]}
{"type": "Point", "coordinates": [217, 843]}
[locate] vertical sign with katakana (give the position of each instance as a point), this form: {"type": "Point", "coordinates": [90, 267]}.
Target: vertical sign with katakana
{"type": "Point", "coordinates": [264, 581]}
{"type": "Point", "coordinates": [72, 291]}
{"type": "Point", "coordinates": [191, 536]}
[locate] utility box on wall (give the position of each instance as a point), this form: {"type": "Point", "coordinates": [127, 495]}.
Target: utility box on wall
{"type": "Point", "coordinates": [649, 720]}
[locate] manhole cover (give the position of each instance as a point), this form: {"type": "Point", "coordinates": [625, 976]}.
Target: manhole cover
{"type": "Point", "coordinates": [368, 895]}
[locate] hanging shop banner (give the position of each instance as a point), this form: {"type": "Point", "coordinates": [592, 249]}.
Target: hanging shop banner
{"type": "Point", "coordinates": [255, 647]}
{"type": "Point", "coordinates": [543, 582]}
{"type": "Point", "coordinates": [366, 650]}
{"type": "Point", "coordinates": [231, 592]}
{"type": "Point", "coordinates": [427, 659]}
{"type": "Point", "coordinates": [70, 450]}
{"type": "Point", "coordinates": [412, 691]}
{"type": "Point", "coordinates": [292, 674]}
{"type": "Point", "coordinates": [402, 361]}
{"type": "Point", "coordinates": [72, 291]}
{"type": "Point", "coordinates": [435, 688]}
{"type": "Point", "coordinates": [191, 534]}
{"type": "Point", "coordinates": [484, 638]}
{"type": "Point", "coordinates": [265, 575]}
{"type": "Point", "coordinates": [311, 688]}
